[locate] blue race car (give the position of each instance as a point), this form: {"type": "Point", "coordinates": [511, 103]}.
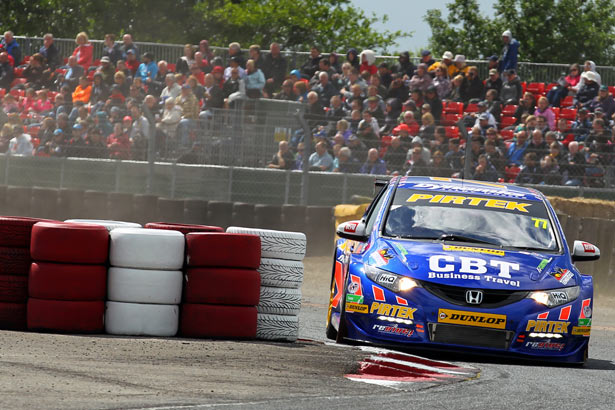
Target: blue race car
{"type": "Point", "coordinates": [460, 264]}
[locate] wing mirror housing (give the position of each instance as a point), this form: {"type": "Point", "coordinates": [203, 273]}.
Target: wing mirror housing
{"type": "Point", "coordinates": [584, 251]}
{"type": "Point", "coordinates": [353, 230]}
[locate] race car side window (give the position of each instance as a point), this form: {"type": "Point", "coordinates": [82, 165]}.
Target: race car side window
{"type": "Point", "coordinates": [372, 211]}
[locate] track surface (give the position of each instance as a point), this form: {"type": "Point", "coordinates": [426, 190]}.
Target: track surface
{"type": "Point", "coordinates": [100, 372]}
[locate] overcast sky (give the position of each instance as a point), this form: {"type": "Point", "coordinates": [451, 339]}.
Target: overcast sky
{"type": "Point", "coordinates": [407, 15]}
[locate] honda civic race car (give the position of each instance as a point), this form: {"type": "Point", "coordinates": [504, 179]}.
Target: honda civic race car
{"type": "Point", "coordinates": [460, 264]}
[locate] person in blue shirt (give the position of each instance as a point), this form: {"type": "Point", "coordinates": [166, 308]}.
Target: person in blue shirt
{"type": "Point", "coordinates": [10, 45]}
{"type": "Point", "coordinates": [148, 69]}
{"type": "Point", "coordinates": [373, 165]}
{"type": "Point", "coordinates": [517, 148]}
{"type": "Point", "coordinates": [509, 52]}
{"type": "Point", "coordinates": [321, 160]}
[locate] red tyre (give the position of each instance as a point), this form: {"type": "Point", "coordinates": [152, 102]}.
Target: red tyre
{"type": "Point", "coordinates": [13, 289]}
{"type": "Point", "coordinates": [12, 316]}
{"type": "Point", "coordinates": [63, 281]}
{"type": "Point", "coordinates": [63, 316]}
{"type": "Point", "coordinates": [230, 250]}
{"type": "Point", "coordinates": [69, 243]}
{"type": "Point", "coordinates": [183, 228]}
{"type": "Point", "coordinates": [219, 286]}
{"type": "Point", "coordinates": [14, 261]}
{"type": "Point", "coordinates": [15, 231]}
{"type": "Point", "coordinates": [216, 321]}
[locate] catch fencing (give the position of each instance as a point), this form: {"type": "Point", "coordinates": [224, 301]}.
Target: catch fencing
{"type": "Point", "coordinates": [528, 71]}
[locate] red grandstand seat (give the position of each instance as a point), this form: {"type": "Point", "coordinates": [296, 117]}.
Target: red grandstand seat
{"type": "Point", "coordinates": [612, 90]}
{"type": "Point", "coordinates": [452, 107]}
{"type": "Point", "coordinates": [2, 92]}
{"type": "Point", "coordinates": [536, 88]}
{"type": "Point", "coordinates": [36, 142]}
{"type": "Point", "coordinates": [568, 113]}
{"type": "Point", "coordinates": [567, 101]}
{"type": "Point", "coordinates": [452, 132]}
{"type": "Point", "coordinates": [471, 108]}
{"type": "Point", "coordinates": [509, 110]}
{"type": "Point", "coordinates": [171, 67]}
{"type": "Point", "coordinates": [511, 173]}
{"type": "Point", "coordinates": [556, 112]}
{"type": "Point", "coordinates": [18, 93]}
{"type": "Point", "coordinates": [96, 62]}
{"type": "Point", "coordinates": [507, 121]}
{"type": "Point", "coordinates": [451, 119]}
{"type": "Point", "coordinates": [18, 71]}
{"type": "Point", "coordinates": [385, 141]}
{"type": "Point", "coordinates": [507, 134]}
{"type": "Point", "coordinates": [549, 87]}
{"type": "Point", "coordinates": [33, 130]}
{"type": "Point", "coordinates": [523, 86]}
{"type": "Point", "coordinates": [18, 81]}
{"type": "Point", "coordinates": [568, 139]}
{"type": "Point", "coordinates": [569, 123]}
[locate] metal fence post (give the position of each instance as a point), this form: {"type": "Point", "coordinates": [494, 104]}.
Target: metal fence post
{"type": "Point", "coordinates": [287, 187]}
{"type": "Point", "coordinates": [307, 142]}
{"type": "Point", "coordinates": [229, 195]}
{"type": "Point", "coordinates": [345, 189]}
{"type": "Point", "coordinates": [173, 179]}
{"type": "Point", "coordinates": [118, 164]}
{"type": "Point", "coordinates": [6, 169]}
{"type": "Point", "coordinates": [151, 147]}
{"type": "Point", "coordinates": [62, 170]}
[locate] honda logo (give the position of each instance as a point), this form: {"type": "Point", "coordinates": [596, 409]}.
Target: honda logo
{"type": "Point", "coordinates": [474, 297]}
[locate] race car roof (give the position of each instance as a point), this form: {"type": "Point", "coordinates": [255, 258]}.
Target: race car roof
{"type": "Point", "coordinates": [469, 187]}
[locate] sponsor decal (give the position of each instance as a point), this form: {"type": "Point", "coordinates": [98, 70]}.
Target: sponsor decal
{"type": "Point", "coordinates": [497, 190]}
{"type": "Point", "coordinates": [564, 313]}
{"type": "Point", "coordinates": [386, 279]}
{"type": "Point", "coordinates": [456, 248]}
{"type": "Point", "coordinates": [581, 330]}
{"type": "Point", "coordinates": [401, 301]}
{"type": "Point", "coordinates": [459, 317]}
{"type": "Point", "coordinates": [393, 330]}
{"type": "Point", "coordinates": [378, 294]}
{"type": "Point", "coordinates": [355, 298]}
{"type": "Point", "coordinates": [548, 345]}
{"type": "Point", "coordinates": [471, 201]}
{"type": "Point", "coordinates": [589, 248]}
{"type": "Point", "coordinates": [543, 264]}
{"type": "Point", "coordinates": [381, 257]}
{"type": "Point", "coordinates": [384, 309]}
{"type": "Point", "coordinates": [487, 278]}
{"type": "Point", "coordinates": [540, 223]}
{"type": "Point", "coordinates": [586, 313]}
{"type": "Point", "coordinates": [356, 307]}
{"type": "Point", "coordinates": [585, 322]}
{"type": "Point", "coordinates": [351, 227]}
{"type": "Point", "coordinates": [547, 326]}
{"type": "Point", "coordinates": [543, 316]}
{"type": "Point", "coordinates": [469, 265]}
{"type": "Point", "coordinates": [355, 285]}
{"type": "Point", "coordinates": [562, 275]}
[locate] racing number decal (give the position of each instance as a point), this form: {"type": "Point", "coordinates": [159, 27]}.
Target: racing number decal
{"type": "Point", "coordinates": [540, 223]}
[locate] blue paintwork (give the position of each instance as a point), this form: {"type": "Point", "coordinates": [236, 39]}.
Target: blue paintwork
{"type": "Point", "coordinates": [411, 258]}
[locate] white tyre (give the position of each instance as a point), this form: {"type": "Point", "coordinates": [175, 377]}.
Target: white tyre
{"type": "Point", "coordinates": [277, 327]}
{"type": "Point", "coordinates": [110, 225]}
{"type": "Point", "coordinates": [144, 286]}
{"type": "Point", "coordinates": [277, 244]}
{"type": "Point", "coordinates": [137, 319]}
{"type": "Point", "coordinates": [280, 273]}
{"type": "Point", "coordinates": [279, 301]}
{"type": "Point", "coordinates": [146, 248]}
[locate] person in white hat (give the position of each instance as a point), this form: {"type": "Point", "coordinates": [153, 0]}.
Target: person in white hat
{"type": "Point", "coordinates": [589, 89]}
{"type": "Point", "coordinates": [447, 63]}
{"type": "Point", "coordinates": [509, 52]}
{"type": "Point", "coordinates": [460, 67]}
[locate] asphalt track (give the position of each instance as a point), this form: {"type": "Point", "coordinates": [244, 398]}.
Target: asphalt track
{"type": "Point", "coordinates": [45, 371]}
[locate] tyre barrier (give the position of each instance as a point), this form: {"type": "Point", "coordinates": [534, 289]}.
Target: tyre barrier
{"type": "Point", "coordinates": [18, 200]}
{"type": "Point", "coordinates": [195, 211]}
{"type": "Point", "coordinates": [68, 277]}
{"type": "Point", "coordinates": [268, 216]}
{"type": "Point", "coordinates": [293, 218]}
{"type": "Point", "coordinates": [15, 260]}
{"type": "Point", "coordinates": [222, 285]}
{"type": "Point", "coordinates": [145, 208]}
{"type": "Point", "coordinates": [281, 271]}
{"type": "Point", "coordinates": [320, 229]}
{"type": "Point", "coordinates": [119, 206]}
{"type": "Point", "coordinates": [70, 203]}
{"type": "Point", "coordinates": [108, 224]}
{"type": "Point", "coordinates": [220, 213]}
{"type": "Point", "coordinates": [144, 282]}
{"type": "Point", "coordinates": [183, 228]}
{"type": "Point", "coordinates": [171, 210]}
{"type": "Point", "coordinates": [44, 202]}
{"type": "Point", "coordinates": [243, 214]}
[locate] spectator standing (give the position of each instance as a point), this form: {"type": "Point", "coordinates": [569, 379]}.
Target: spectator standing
{"type": "Point", "coordinates": [128, 44]}
{"type": "Point", "coordinates": [184, 62]}
{"type": "Point", "coordinates": [10, 45]}
{"type": "Point", "coordinates": [310, 67]}
{"type": "Point", "coordinates": [84, 51]}
{"type": "Point", "coordinates": [50, 52]}
{"type": "Point", "coordinates": [119, 145]}
{"type": "Point", "coordinates": [111, 49]}
{"type": "Point", "coordinates": [6, 71]}
{"type": "Point", "coordinates": [254, 80]}
{"type": "Point", "coordinates": [190, 114]}
{"type": "Point", "coordinates": [21, 143]}
{"type": "Point", "coordinates": [510, 51]}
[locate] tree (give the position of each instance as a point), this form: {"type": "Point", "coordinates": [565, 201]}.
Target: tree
{"type": "Point", "coordinates": [296, 24]}
{"type": "Point", "coordinates": [557, 31]}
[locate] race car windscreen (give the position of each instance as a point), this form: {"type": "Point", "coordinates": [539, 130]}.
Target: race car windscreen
{"type": "Point", "coordinates": [504, 222]}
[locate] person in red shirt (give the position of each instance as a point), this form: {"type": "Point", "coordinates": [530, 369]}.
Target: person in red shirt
{"type": "Point", "coordinates": [84, 50]}
{"type": "Point", "coordinates": [368, 60]}
{"type": "Point", "coordinates": [119, 144]}
{"type": "Point", "coordinates": [132, 64]}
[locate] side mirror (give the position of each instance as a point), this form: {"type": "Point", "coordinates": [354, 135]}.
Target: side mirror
{"type": "Point", "coordinates": [584, 251]}
{"type": "Point", "coordinates": [353, 230]}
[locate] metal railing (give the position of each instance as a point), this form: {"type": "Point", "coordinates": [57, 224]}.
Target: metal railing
{"type": "Point", "coordinates": [528, 71]}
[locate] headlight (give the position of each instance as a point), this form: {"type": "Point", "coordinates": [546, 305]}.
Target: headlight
{"type": "Point", "coordinates": [556, 297]}
{"type": "Point", "coordinates": [391, 281]}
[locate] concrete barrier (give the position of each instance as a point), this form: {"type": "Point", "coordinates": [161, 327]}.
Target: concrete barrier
{"type": "Point", "coordinates": [120, 206]}
{"type": "Point", "coordinates": [44, 203]}
{"type": "Point", "coordinates": [243, 215]}
{"type": "Point", "coordinates": [18, 199]}
{"type": "Point", "coordinates": [145, 208]}
{"type": "Point", "coordinates": [95, 205]}
{"type": "Point", "coordinates": [294, 218]}
{"type": "Point", "coordinates": [220, 213]}
{"type": "Point", "coordinates": [319, 230]}
{"type": "Point", "coordinates": [70, 204]}
{"type": "Point", "coordinates": [195, 211]}
{"type": "Point", "coordinates": [170, 210]}
{"type": "Point", "coordinates": [268, 216]}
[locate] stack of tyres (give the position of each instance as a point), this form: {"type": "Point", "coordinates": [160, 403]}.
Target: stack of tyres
{"type": "Point", "coordinates": [145, 282]}
{"type": "Point", "coordinates": [183, 228]}
{"type": "Point", "coordinates": [222, 286]}
{"type": "Point", "coordinates": [68, 277]}
{"type": "Point", "coordinates": [15, 233]}
{"type": "Point", "coordinates": [109, 224]}
{"type": "Point", "coordinates": [281, 271]}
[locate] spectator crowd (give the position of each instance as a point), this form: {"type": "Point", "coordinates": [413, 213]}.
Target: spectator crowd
{"type": "Point", "coordinates": [365, 117]}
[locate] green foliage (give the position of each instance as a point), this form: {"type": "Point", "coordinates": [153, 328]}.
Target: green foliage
{"type": "Point", "coordinates": [296, 24]}
{"type": "Point", "coordinates": [558, 31]}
